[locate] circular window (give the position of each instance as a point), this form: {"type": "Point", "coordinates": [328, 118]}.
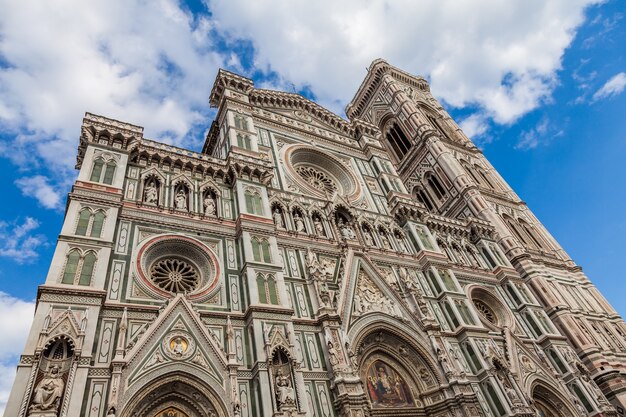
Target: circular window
{"type": "Point", "coordinates": [490, 309]}
{"type": "Point", "coordinates": [175, 275]}
{"type": "Point", "coordinates": [320, 173]}
{"type": "Point", "coordinates": [317, 179]}
{"type": "Point", "coordinates": [173, 264]}
{"type": "Point", "coordinates": [485, 311]}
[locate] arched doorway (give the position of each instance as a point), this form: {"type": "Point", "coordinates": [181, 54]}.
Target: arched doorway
{"type": "Point", "coordinates": [549, 404]}
{"type": "Point", "coordinates": [175, 395]}
{"type": "Point", "coordinates": [395, 375]}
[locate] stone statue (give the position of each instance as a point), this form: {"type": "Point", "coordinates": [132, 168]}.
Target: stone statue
{"type": "Point", "coordinates": [278, 218]}
{"type": "Point", "coordinates": [111, 412]}
{"type": "Point", "coordinates": [319, 227]}
{"type": "Point", "coordinates": [401, 245]}
{"type": "Point", "coordinates": [332, 354]}
{"type": "Point", "coordinates": [385, 240]}
{"type": "Point", "coordinates": [297, 219]}
{"type": "Point", "coordinates": [345, 229]}
{"type": "Point", "coordinates": [284, 391]}
{"type": "Point", "coordinates": [181, 200]}
{"type": "Point", "coordinates": [151, 194]}
{"type": "Point", "coordinates": [209, 206]}
{"type": "Point", "coordinates": [367, 235]}
{"type": "Point", "coordinates": [47, 394]}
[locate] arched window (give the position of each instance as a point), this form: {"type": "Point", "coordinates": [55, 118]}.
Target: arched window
{"type": "Point", "coordinates": [472, 357]}
{"type": "Point", "coordinates": [472, 172]}
{"type": "Point", "coordinates": [494, 400]}
{"type": "Point", "coordinates": [530, 231]}
{"type": "Point", "coordinates": [90, 223]}
{"type": "Point", "coordinates": [435, 186]}
{"type": "Point", "coordinates": [435, 123]}
{"type": "Point", "coordinates": [485, 177]}
{"type": "Point", "coordinates": [109, 172]}
{"type": "Point", "coordinates": [582, 397]}
{"type": "Point", "coordinates": [71, 266]}
{"type": "Point", "coordinates": [241, 122]}
{"type": "Point", "coordinates": [89, 261]}
{"type": "Point", "coordinates": [266, 285]}
{"type": "Point", "coordinates": [84, 218]}
{"type": "Point", "coordinates": [254, 202]}
{"type": "Point", "coordinates": [96, 226]}
{"type": "Point", "coordinates": [447, 279]}
{"type": "Point", "coordinates": [453, 321]}
{"type": "Point", "coordinates": [96, 171]}
{"type": "Point", "coordinates": [79, 268]}
{"type": "Point", "coordinates": [434, 282]}
{"type": "Point", "coordinates": [398, 141]}
{"type": "Point", "coordinates": [261, 250]}
{"type": "Point", "coordinates": [534, 326]}
{"type": "Point", "coordinates": [102, 172]}
{"type": "Point", "coordinates": [243, 141]}
{"type": "Point", "coordinates": [466, 315]}
{"type": "Point", "coordinates": [516, 229]}
{"type": "Point", "coordinates": [423, 198]}
{"type": "Point", "coordinates": [488, 257]}
{"type": "Point", "coordinates": [261, 287]}
{"type": "Point", "coordinates": [511, 290]}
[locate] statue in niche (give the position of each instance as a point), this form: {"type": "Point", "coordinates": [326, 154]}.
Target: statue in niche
{"type": "Point", "coordinates": [299, 222]}
{"type": "Point", "coordinates": [401, 245]}
{"type": "Point", "coordinates": [49, 391]}
{"type": "Point", "coordinates": [278, 218]}
{"type": "Point", "coordinates": [385, 240]}
{"type": "Point", "coordinates": [111, 412]}
{"type": "Point", "coordinates": [321, 275]}
{"type": "Point", "coordinates": [151, 193]}
{"type": "Point", "coordinates": [367, 235]}
{"type": "Point", "coordinates": [284, 390]}
{"type": "Point", "coordinates": [210, 208]}
{"type": "Point", "coordinates": [180, 201]}
{"type": "Point", "coordinates": [319, 227]}
{"type": "Point", "coordinates": [345, 229]}
{"type": "Point", "coordinates": [332, 354]}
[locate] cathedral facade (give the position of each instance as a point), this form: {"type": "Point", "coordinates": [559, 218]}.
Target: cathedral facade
{"type": "Point", "coordinates": [305, 265]}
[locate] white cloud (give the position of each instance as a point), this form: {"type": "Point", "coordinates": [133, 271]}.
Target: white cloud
{"type": "Point", "coordinates": [500, 56]}
{"type": "Point", "coordinates": [148, 63]}
{"type": "Point", "coordinates": [612, 87]}
{"type": "Point", "coordinates": [542, 133]}
{"type": "Point", "coordinates": [19, 243]}
{"type": "Point", "coordinates": [474, 126]}
{"type": "Point", "coordinates": [16, 317]}
{"type": "Point", "coordinates": [38, 187]}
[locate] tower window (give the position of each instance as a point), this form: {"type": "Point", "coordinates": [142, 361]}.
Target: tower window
{"type": "Point", "coordinates": [398, 141]}
{"type": "Point", "coordinates": [79, 268]}
{"type": "Point", "coordinates": [435, 186]}
{"type": "Point", "coordinates": [102, 172]}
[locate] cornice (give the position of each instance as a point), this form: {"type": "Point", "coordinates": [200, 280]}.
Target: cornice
{"type": "Point", "coordinates": [375, 73]}
{"type": "Point", "coordinates": [226, 79]}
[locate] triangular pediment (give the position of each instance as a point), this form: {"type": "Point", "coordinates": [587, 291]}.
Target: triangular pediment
{"type": "Point", "coordinates": [365, 292]}
{"type": "Point", "coordinates": [177, 338]}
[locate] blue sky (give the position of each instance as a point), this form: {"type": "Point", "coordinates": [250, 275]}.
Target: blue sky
{"type": "Point", "coordinates": [540, 88]}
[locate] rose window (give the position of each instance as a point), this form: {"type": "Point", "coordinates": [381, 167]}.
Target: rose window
{"type": "Point", "coordinates": [317, 179]}
{"type": "Point", "coordinates": [320, 174]}
{"type": "Point", "coordinates": [174, 275]}
{"type": "Point", "coordinates": [485, 311]}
